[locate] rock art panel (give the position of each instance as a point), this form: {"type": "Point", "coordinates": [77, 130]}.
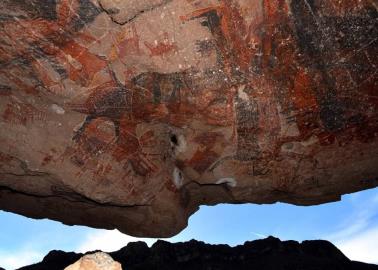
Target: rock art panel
{"type": "Point", "coordinates": [131, 114]}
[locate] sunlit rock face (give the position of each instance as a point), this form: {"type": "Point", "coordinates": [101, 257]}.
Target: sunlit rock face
{"type": "Point", "coordinates": [131, 114]}
{"type": "Point", "coordinates": [95, 261]}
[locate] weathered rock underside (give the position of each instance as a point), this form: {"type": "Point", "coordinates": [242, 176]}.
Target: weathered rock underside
{"type": "Point", "coordinates": [131, 114]}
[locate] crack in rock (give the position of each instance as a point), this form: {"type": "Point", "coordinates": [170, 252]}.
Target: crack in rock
{"type": "Point", "coordinates": [123, 12]}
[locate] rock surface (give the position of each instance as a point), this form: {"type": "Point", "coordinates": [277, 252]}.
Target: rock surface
{"type": "Point", "coordinates": [131, 114]}
{"type": "Point", "coordinates": [95, 261]}
{"type": "Point", "coordinates": [269, 253]}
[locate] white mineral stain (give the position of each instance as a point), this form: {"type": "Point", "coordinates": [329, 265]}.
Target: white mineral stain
{"type": "Point", "coordinates": [178, 179]}
{"type": "Point", "coordinates": [227, 180]}
{"type": "Point", "coordinates": [243, 95]}
{"type": "Point", "coordinates": [57, 109]}
{"type": "Point", "coordinates": [181, 144]}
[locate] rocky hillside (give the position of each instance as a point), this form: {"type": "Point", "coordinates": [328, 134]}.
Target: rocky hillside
{"type": "Point", "coordinates": [269, 253]}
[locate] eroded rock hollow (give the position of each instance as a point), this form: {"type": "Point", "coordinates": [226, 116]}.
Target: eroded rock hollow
{"type": "Point", "coordinates": [131, 114]}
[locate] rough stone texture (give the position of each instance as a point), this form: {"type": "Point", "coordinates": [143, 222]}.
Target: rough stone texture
{"type": "Point", "coordinates": [131, 114]}
{"type": "Point", "coordinates": [95, 261]}
{"type": "Point", "coordinates": [269, 254]}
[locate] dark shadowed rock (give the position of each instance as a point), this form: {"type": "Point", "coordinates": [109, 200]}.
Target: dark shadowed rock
{"type": "Point", "coordinates": [56, 260]}
{"type": "Point", "coordinates": [269, 253]}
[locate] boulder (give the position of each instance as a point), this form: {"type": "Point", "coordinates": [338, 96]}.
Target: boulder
{"type": "Point", "coordinates": [95, 261]}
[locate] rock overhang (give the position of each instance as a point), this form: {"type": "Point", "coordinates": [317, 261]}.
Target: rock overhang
{"type": "Point", "coordinates": [130, 115]}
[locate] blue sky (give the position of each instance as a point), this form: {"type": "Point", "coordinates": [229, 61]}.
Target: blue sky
{"type": "Point", "coordinates": [351, 224]}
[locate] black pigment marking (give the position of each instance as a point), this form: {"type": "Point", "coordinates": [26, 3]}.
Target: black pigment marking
{"type": "Point", "coordinates": [150, 81]}
{"type": "Point", "coordinates": [178, 84]}
{"type": "Point", "coordinates": [5, 90]}
{"type": "Point", "coordinates": [361, 67]}
{"type": "Point", "coordinates": [212, 21]}
{"type": "Point", "coordinates": [38, 53]}
{"type": "Point", "coordinates": [165, 87]}
{"type": "Point", "coordinates": [156, 91]}
{"type": "Point", "coordinates": [24, 66]}
{"type": "Point", "coordinates": [308, 34]}
{"type": "Point", "coordinates": [86, 13]}
{"type": "Point", "coordinates": [45, 9]}
{"type": "Point", "coordinates": [247, 118]}
{"type": "Point", "coordinates": [205, 47]}
{"type": "Point", "coordinates": [332, 113]}
{"type": "Point", "coordinates": [353, 31]}
{"type": "Point", "coordinates": [111, 106]}
{"type": "Point", "coordinates": [322, 39]}
{"type": "Point", "coordinates": [116, 102]}
{"type": "Point", "coordinates": [314, 42]}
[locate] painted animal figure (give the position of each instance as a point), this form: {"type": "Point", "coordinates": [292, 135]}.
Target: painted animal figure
{"type": "Point", "coordinates": [110, 101]}
{"type": "Point", "coordinates": [140, 100]}
{"type": "Point", "coordinates": [165, 87]}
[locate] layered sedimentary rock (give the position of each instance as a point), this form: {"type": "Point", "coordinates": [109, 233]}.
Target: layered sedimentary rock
{"type": "Point", "coordinates": [269, 253]}
{"type": "Point", "coordinates": [131, 114]}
